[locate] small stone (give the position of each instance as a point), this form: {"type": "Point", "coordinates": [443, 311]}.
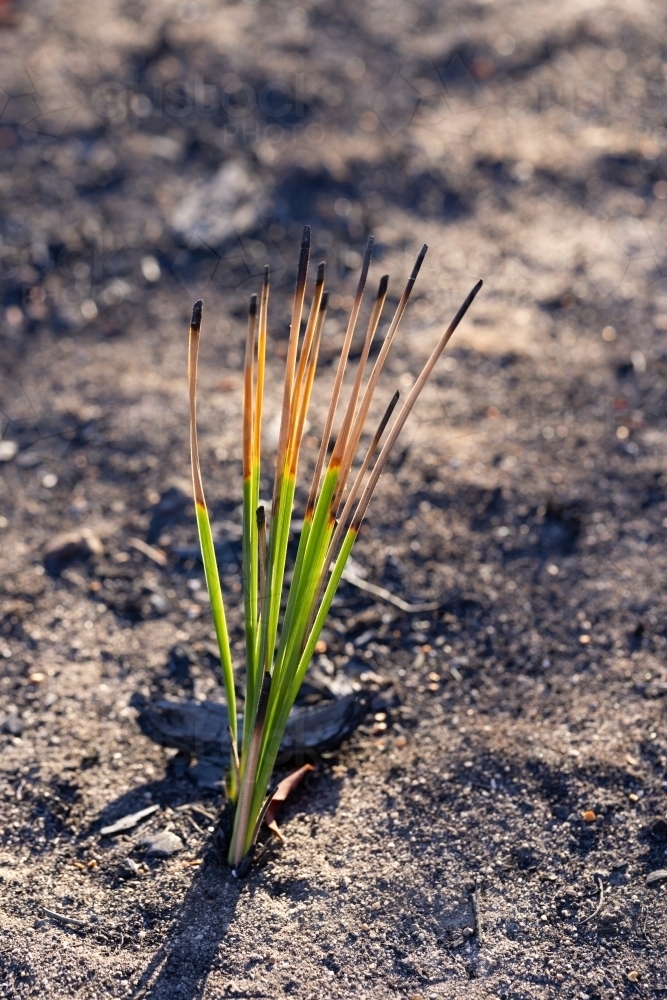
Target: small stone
{"type": "Point", "coordinates": [129, 868]}
{"type": "Point", "coordinates": [588, 816]}
{"type": "Point", "coordinates": [8, 450]}
{"type": "Point", "coordinates": [37, 677]}
{"type": "Point", "coordinates": [633, 976]}
{"type": "Point", "coordinates": [163, 844]}
{"type": "Point", "coordinates": [14, 725]}
{"type": "Point", "coordinates": [159, 603]}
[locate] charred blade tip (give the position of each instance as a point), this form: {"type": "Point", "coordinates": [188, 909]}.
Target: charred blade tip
{"type": "Point", "coordinates": [195, 322]}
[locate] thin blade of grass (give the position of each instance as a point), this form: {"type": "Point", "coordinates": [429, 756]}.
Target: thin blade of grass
{"type": "Point", "coordinates": [300, 378]}
{"type": "Point", "coordinates": [234, 753]}
{"type": "Point", "coordinates": [360, 420]}
{"type": "Point", "coordinates": [204, 529]}
{"type": "Point", "coordinates": [303, 401]}
{"type": "Point", "coordinates": [239, 845]}
{"type": "Point", "coordinates": [283, 494]}
{"type": "Point", "coordinates": [261, 558]}
{"type": "Point", "coordinates": [261, 368]}
{"type": "Point", "coordinates": [338, 380]}
{"type": "Point", "coordinates": [342, 520]}
{"type": "Point", "coordinates": [293, 465]}
{"type": "Point", "coordinates": [250, 491]}
{"type": "Point", "coordinates": [347, 451]}
{"type": "Point", "coordinates": [404, 412]}
{"type": "Point", "coordinates": [285, 483]}
{"type": "Point", "coordinates": [288, 389]}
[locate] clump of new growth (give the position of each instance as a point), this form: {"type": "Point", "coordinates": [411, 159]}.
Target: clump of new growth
{"type": "Point", "coordinates": [278, 652]}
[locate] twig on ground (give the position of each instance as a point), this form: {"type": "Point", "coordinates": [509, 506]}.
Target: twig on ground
{"type": "Point", "coordinates": [196, 825]}
{"type": "Point", "coordinates": [204, 812]}
{"type": "Point", "coordinates": [386, 595]}
{"type": "Point", "coordinates": [148, 550]}
{"type": "Point", "coordinates": [64, 919]}
{"type": "Point", "coordinates": [476, 912]}
{"type": "Point", "coordinates": [644, 913]}
{"type": "Point", "coordinates": [598, 907]}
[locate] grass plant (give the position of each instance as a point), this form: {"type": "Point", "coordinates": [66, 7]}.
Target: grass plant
{"type": "Point", "coordinates": [283, 622]}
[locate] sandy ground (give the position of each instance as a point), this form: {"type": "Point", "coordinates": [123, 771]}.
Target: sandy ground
{"type": "Point", "coordinates": [153, 154]}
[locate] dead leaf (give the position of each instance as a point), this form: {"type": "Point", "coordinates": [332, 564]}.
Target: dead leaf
{"type": "Point", "coordinates": [282, 792]}
{"type": "Point", "coordinates": [128, 822]}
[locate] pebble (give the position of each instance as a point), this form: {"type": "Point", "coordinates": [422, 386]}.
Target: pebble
{"type": "Point", "coordinates": [204, 216]}
{"type": "Point", "coordinates": [129, 867]}
{"type": "Point", "coordinates": [14, 725]}
{"type": "Point", "coordinates": [37, 677]}
{"type": "Point", "coordinates": [8, 450]}
{"type": "Point", "coordinates": [588, 816]}
{"type": "Point", "coordinates": [163, 844]}
{"type": "Point", "coordinates": [633, 976]}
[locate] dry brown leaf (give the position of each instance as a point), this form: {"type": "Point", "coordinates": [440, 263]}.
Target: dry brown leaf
{"type": "Point", "coordinates": [282, 792]}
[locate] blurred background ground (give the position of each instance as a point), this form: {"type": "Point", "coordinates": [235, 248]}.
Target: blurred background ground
{"type": "Point", "coordinates": [153, 154]}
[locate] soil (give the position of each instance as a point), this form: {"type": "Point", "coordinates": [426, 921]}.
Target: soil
{"type": "Point", "coordinates": [491, 834]}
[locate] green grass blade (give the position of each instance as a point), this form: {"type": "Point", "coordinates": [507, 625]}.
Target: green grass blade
{"type": "Point", "coordinates": [275, 727]}
{"type": "Point", "coordinates": [217, 610]}
{"type": "Point", "coordinates": [250, 547]}
{"type": "Point", "coordinates": [206, 537]}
